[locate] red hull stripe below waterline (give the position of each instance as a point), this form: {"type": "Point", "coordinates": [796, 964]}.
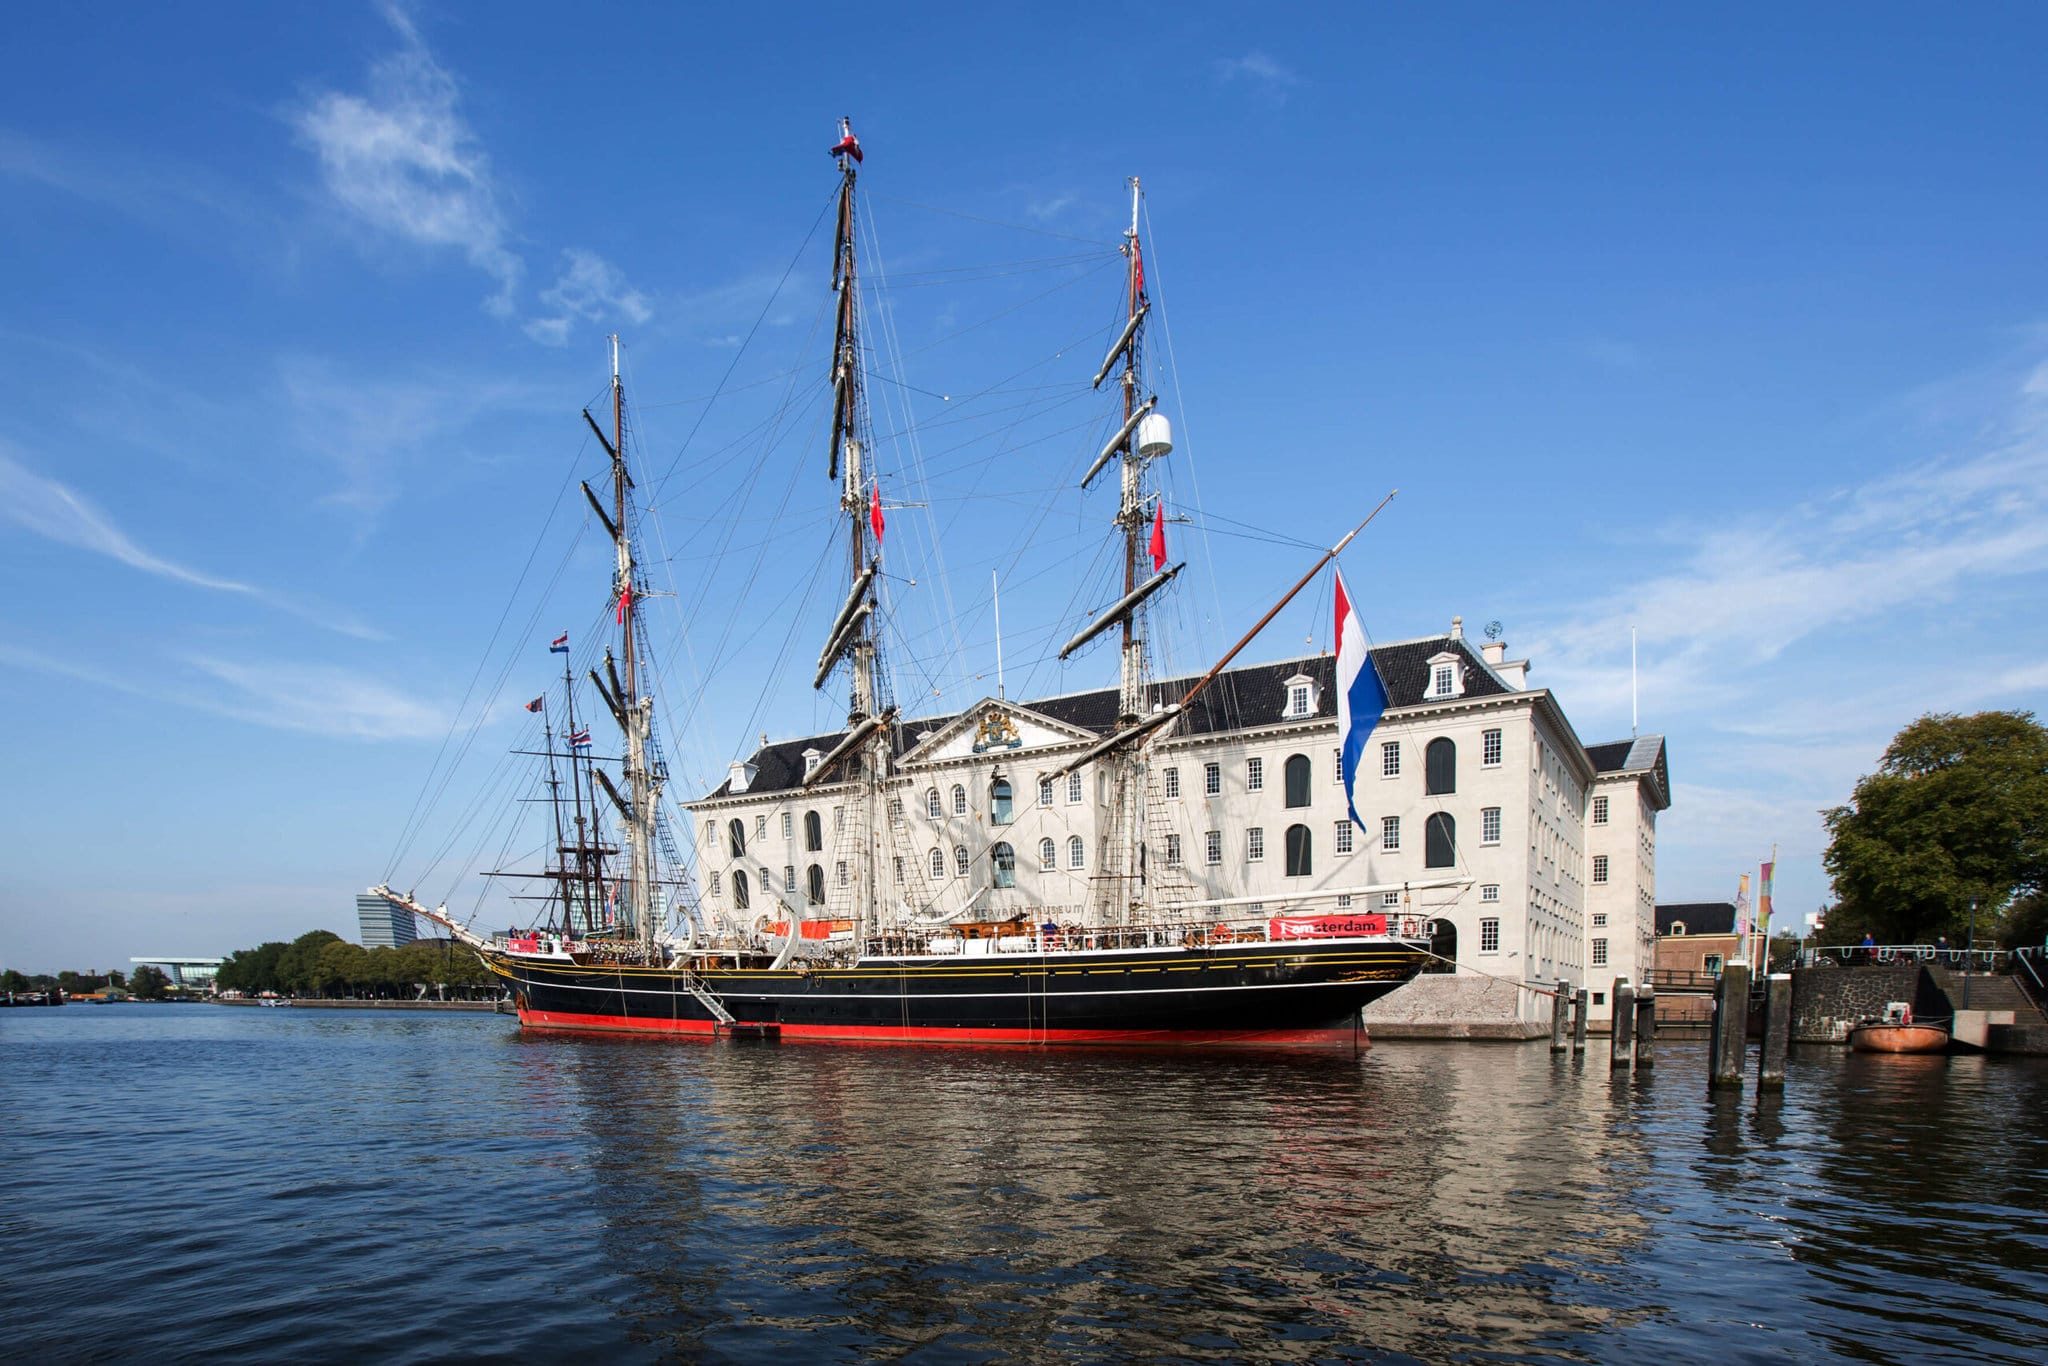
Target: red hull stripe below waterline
{"type": "Point", "coordinates": [1343, 1037]}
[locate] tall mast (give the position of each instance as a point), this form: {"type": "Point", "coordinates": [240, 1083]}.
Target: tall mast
{"type": "Point", "coordinates": [852, 637]}
{"type": "Point", "coordinates": [633, 709]}
{"type": "Point", "coordinates": [1121, 886]}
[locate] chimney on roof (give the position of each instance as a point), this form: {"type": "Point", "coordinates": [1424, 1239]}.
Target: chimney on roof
{"type": "Point", "coordinates": [1494, 651]}
{"type": "Point", "coordinates": [1457, 628]}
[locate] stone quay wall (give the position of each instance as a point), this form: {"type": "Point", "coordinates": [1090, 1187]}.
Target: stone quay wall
{"type": "Point", "coordinates": [1826, 1002]}
{"type": "Point", "coordinates": [1452, 1006]}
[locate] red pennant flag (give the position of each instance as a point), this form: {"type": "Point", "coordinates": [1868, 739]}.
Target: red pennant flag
{"type": "Point", "coordinates": [537, 704]}
{"type": "Point", "coordinates": [625, 603]}
{"type": "Point", "coordinates": [875, 511]}
{"type": "Point", "coordinates": [1159, 536]}
{"type": "Point", "coordinates": [1137, 271]}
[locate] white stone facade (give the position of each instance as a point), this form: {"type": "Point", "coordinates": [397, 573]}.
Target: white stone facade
{"type": "Point", "coordinates": [1247, 818]}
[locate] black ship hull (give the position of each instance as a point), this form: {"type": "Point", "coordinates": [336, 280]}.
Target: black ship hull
{"type": "Point", "coordinates": [1265, 994]}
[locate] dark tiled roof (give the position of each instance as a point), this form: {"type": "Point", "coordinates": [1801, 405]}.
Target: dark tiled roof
{"type": "Point", "coordinates": [1609, 756]}
{"type": "Point", "coordinates": [1254, 695]}
{"type": "Point", "coordinates": [1698, 917]}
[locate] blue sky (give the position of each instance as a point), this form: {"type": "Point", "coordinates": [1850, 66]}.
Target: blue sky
{"type": "Point", "coordinates": [1727, 326]}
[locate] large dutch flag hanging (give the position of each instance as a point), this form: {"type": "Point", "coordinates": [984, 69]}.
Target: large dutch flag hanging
{"type": "Point", "coordinates": [1361, 697]}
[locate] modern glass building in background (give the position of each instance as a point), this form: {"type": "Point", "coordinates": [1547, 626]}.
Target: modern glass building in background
{"type": "Point", "coordinates": [186, 974]}
{"type": "Point", "coordinates": [383, 925]}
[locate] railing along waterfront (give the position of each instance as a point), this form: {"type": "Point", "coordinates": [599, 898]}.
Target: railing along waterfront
{"type": "Point", "coordinates": [1833, 955]}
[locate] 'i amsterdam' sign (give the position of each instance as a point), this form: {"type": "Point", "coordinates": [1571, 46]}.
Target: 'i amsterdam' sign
{"type": "Point", "coordinates": [1325, 926]}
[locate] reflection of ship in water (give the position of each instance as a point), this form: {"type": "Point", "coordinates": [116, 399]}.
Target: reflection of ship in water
{"type": "Point", "coordinates": [1137, 961]}
{"type": "Point", "coordinates": [855, 1203]}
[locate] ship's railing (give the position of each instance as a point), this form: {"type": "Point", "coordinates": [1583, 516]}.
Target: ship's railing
{"type": "Point", "coordinates": [1941, 955]}
{"type": "Point", "coordinates": [1051, 937]}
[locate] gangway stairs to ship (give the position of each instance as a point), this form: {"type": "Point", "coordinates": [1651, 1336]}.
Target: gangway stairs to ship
{"type": "Point", "coordinates": [725, 1025]}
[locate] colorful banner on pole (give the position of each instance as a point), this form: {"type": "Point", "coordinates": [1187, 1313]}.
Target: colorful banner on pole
{"type": "Point", "coordinates": [1742, 908]}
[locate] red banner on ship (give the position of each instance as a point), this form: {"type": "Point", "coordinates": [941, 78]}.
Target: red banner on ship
{"type": "Point", "coordinates": [1325, 926]}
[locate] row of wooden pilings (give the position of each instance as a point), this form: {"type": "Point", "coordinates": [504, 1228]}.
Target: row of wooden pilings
{"type": "Point", "coordinates": [1632, 1040]}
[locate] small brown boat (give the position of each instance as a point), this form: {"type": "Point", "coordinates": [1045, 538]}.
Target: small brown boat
{"type": "Point", "coordinates": [1898, 1034]}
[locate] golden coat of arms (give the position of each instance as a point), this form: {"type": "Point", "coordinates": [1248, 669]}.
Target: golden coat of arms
{"type": "Point", "coordinates": [996, 731]}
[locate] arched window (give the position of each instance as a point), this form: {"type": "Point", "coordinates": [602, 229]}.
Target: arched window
{"type": "Point", "coordinates": [1300, 861]}
{"type": "Point", "coordinates": [736, 837]}
{"type": "Point", "coordinates": [814, 878]}
{"type": "Point", "coordinates": [938, 860]}
{"type": "Point", "coordinates": [741, 897]}
{"type": "Point", "coordinates": [1077, 853]}
{"type": "Point", "coordinates": [1297, 780]}
{"type": "Point", "coordinates": [959, 800]}
{"type": "Point", "coordinates": [1002, 861]}
{"type": "Point", "coordinates": [1440, 841]}
{"type": "Point", "coordinates": [1440, 767]}
{"type": "Point", "coordinates": [814, 832]}
{"type": "Point", "coordinates": [999, 802]}
{"type": "Point", "coordinates": [931, 803]}
{"type": "Point", "coordinates": [960, 859]}
{"type": "Point", "coordinates": [1443, 942]}
{"type": "Point", "coordinates": [1048, 855]}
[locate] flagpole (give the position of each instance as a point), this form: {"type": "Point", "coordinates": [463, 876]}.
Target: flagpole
{"type": "Point", "coordinates": [995, 590]}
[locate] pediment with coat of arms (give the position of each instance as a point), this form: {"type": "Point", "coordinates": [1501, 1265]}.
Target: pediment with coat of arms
{"type": "Point", "coordinates": [994, 727]}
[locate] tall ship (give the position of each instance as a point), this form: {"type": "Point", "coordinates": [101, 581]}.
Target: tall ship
{"type": "Point", "coordinates": [874, 931]}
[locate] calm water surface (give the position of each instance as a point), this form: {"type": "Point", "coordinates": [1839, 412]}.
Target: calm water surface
{"type": "Point", "coordinates": [187, 1181]}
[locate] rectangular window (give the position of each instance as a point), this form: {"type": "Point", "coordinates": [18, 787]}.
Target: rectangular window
{"type": "Point", "coordinates": [895, 808]}
{"type": "Point", "coordinates": [1390, 833]}
{"type": "Point", "coordinates": [714, 884]}
{"type": "Point", "coordinates": [1212, 851]}
{"type": "Point", "coordinates": [1045, 792]}
{"type": "Point", "coordinates": [711, 833]}
{"type": "Point", "coordinates": [1344, 901]}
{"type": "Point", "coordinates": [838, 819]}
{"type": "Point", "coordinates": [1599, 811]}
{"type": "Point", "coordinates": [1255, 775]}
{"type": "Point", "coordinates": [761, 826]}
{"type": "Point", "coordinates": [1712, 963]}
{"type": "Point", "coordinates": [1489, 891]}
{"type": "Point", "coordinates": [789, 877]}
{"type": "Point", "coordinates": [1599, 867]}
{"type": "Point", "coordinates": [1337, 767]}
{"type": "Point", "coordinates": [1599, 920]}
{"type": "Point", "coordinates": [1173, 851]}
{"type": "Point", "coordinates": [899, 867]}
{"type": "Point", "coordinates": [1390, 759]}
{"type": "Point", "coordinates": [1344, 834]}
{"type": "Point", "coordinates": [842, 872]}
{"type": "Point", "coordinates": [1297, 700]}
{"type": "Point", "coordinates": [1599, 953]}
{"type": "Point", "coordinates": [1489, 935]}
{"type": "Point", "coordinates": [1489, 825]}
{"type": "Point", "coordinates": [1441, 681]}
{"type": "Point", "coordinates": [1489, 748]}
{"type": "Point", "coordinates": [1212, 779]}
{"type": "Point", "coordinates": [1254, 844]}
{"type": "Point", "coordinates": [1173, 782]}
{"type": "Point", "coordinates": [1073, 789]}
{"type": "Point", "coordinates": [1389, 900]}
{"type": "Point", "coordinates": [787, 828]}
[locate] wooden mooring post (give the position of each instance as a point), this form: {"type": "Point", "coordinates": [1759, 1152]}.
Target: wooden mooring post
{"type": "Point", "coordinates": [1621, 1040]}
{"type": "Point", "coordinates": [1646, 1026]}
{"type": "Point", "coordinates": [1581, 999]}
{"type": "Point", "coordinates": [1770, 1068]}
{"type": "Point", "coordinates": [1730, 1043]}
{"type": "Point", "coordinates": [1559, 1004]}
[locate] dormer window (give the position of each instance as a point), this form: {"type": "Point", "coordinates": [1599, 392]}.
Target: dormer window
{"type": "Point", "coordinates": [1446, 676]}
{"type": "Point", "coordinates": [811, 757]}
{"type": "Point", "coordinates": [1301, 697]}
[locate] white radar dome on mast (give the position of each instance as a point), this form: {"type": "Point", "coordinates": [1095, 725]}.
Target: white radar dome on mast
{"type": "Point", "coordinates": [1155, 436]}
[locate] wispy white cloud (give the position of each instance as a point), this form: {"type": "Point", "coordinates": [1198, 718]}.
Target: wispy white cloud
{"type": "Point", "coordinates": [56, 512]}
{"type": "Point", "coordinates": [59, 513]}
{"type": "Point", "coordinates": [319, 700]}
{"type": "Point", "coordinates": [1260, 71]}
{"type": "Point", "coordinates": [1051, 206]}
{"type": "Point", "coordinates": [276, 695]}
{"type": "Point", "coordinates": [589, 288]}
{"type": "Point", "coordinates": [401, 157]}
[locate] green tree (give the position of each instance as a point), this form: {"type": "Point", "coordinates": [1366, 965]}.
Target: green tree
{"type": "Point", "coordinates": [340, 966]}
{"type": "Point", "coordinates": [148, 984]}
{"type": "Point", "coordinates": [1956, 812]}
{"type": "Point", "coordinates": [12, 980]}
{"type": "Point", "coordinates": [298, 965]}
{"type": "Point", "coordinates": [252, 971]}
{"type": "Point", "coordinates": [2026, 923]}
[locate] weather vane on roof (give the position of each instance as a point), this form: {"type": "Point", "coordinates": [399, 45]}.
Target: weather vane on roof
{"type": "Point", "coordinates": [1493, 630]}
